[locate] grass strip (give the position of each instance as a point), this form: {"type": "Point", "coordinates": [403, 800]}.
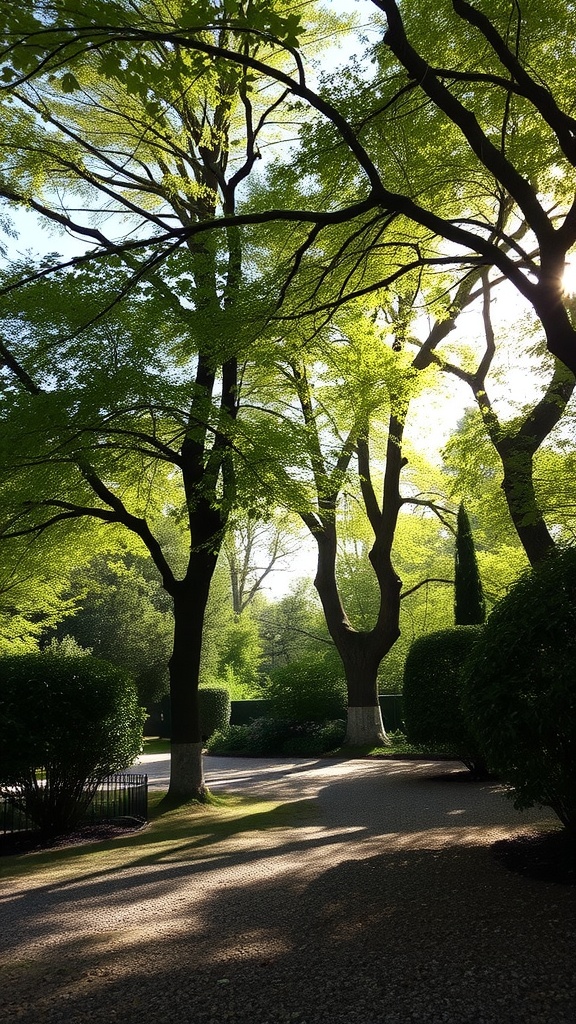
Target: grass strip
{"type": "Point", "coordinates": [187, 833]}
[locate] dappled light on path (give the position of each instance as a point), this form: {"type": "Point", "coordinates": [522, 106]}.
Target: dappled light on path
{"type": "Point", "coordinates": [364, 879]}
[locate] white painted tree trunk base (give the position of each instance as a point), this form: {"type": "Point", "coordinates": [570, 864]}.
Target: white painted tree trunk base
{"type": "Point", "coordinates": [186, 772]}
{"type": "Point", "coordinates": [365, 726]}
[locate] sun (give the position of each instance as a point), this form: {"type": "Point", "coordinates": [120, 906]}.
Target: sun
{"type": "Point", "coordinates": [569, 279]}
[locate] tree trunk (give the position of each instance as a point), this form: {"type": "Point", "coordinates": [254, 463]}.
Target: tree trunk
{"type": "Point", "coordinates": [365, 725]}
{"type": "Point", "coordinates": [186, 768]}
{"type": "Point", "coordinates": [361, 652]}
{"type": "Point", "coordinates": [518, 487]}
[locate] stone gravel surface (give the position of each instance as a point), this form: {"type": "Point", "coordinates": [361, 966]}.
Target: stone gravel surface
{"type": "Point", "coordinates": [379, 902]}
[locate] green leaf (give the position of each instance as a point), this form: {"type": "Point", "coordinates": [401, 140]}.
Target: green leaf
{"type": "Point", "coordinates": [69, 82]}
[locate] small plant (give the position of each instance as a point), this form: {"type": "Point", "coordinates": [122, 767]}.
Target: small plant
{"type": "Point", "coordinates": [433, 695]}
{"type": "Point", "coordinates": [65, 724]}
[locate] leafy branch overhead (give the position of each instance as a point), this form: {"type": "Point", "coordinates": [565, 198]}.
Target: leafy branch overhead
{"type": "Point", "coordinates": [506, 129]}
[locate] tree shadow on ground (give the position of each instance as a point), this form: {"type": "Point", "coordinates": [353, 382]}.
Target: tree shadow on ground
{"type": "Point", "coordinates": [376, 904]}
{"type": "Point", "coordinates": [428, 935]}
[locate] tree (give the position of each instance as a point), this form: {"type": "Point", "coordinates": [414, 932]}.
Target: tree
{"type": "Point", "coordinates": [253, 549]}
{"type": "Point", "coordinates": [292, 627]}
{"type": "Point", "coordinates": [124, 617]}
{"type": "Point", "coordinates": [335, 395]}
{"type": "Point", "coordinates": [469, 603]}
{"type": "Point", "coordinates": [168, 145]}
{"type": "Point", "coordinates": [240, 655]}
{"type": "Point", "coordinates": [517, 440]}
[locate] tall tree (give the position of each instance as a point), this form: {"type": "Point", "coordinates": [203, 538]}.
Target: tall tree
{"type": "Point", "coordinates": [517, 440]}
{"type": "Point", "coordinates": [253, 549]}
{"type": "Point", "coordinates": [164, 140]}
{"type": "Point", "coordinates": [469, 603]}
{"type": "Point", "coordinates": [343, 398]}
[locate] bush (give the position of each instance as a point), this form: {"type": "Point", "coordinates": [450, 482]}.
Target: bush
{"type": "Point", "coordinates": [432, 693]}
{"type": "Point", "coordinates": [214, 709]}
{"type": "Point", "coordinates": [310, 690]}
{"type": "Point", "coordinates": [73, 720]}
{"type": "Point", "coordinates": [230, 740]}
{"type": "Point", "coordinates": [519, 688]}
{"type": "Point", "coordinates": [268, 737]}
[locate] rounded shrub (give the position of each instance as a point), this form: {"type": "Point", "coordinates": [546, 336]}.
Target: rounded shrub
{"type": "Point", "coordinates": [65, 724]}
{"type": "Point", "coordinates": [519, 686]}
{"type": "Point", "coordinates": [214, 709]}
{"type": "Point", "coordinates": [432, 695]}
{"type": "Point", "coordinates": [310, 690]}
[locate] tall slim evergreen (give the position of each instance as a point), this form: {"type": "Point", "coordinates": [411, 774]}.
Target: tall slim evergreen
{"type": "Point", "coordinates": [469, 603]}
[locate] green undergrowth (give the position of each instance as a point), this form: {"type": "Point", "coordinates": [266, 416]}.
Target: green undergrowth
{"type": "Point", "coordinates": [399, 747]}
{"type": "Point", "coordinates": [189, 833]}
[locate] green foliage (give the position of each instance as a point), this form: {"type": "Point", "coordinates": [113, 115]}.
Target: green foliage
{"type": "Point", "coordinates": [469, 603]}
{"type": "Point", "coordinates": [214, 709]}
{"type": "Point", "coordinates": [309, 690]}
{"type": "Point", "coordinates": [231, 740]}
{"type": "Point", "coordinates": [270, 737]}
{"type": "Point", "coordinates": [240, 652]}
{"type": "Point", "coordinates": [291, 628]}
{"type": "Point", "coordinates": [124, 617]}
{"type": "Point", "coordinates": [519, 688]}
{"type": "Point", "coordinates": [66, 647]}
{"type": "Point", "coordinates": [433, 694]}
{"type": "Point", "coordinates": [73, 719]}
{"type": "Point", "coordinates": [34, 585]}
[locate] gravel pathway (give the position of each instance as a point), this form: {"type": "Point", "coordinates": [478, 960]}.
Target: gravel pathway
{"type": "Point", "coordinates": [378, 903]}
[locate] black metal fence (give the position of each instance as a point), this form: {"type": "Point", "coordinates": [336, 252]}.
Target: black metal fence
{"type": "Point", "coordinates": [118, 796]}
{"type": "Point", "coordinates": [12, 817]}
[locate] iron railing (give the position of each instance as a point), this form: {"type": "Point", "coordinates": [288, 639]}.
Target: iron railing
{"type": "Point", "coordinates": [117, 797]}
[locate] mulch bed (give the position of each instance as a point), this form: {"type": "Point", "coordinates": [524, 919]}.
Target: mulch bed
{"type": "Point", "coordinates": [98, 832]}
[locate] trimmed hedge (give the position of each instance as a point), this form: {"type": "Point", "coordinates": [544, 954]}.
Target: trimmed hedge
{"type": "Point", "coordinates": [432, 695]}
{"type": "Point", "coordinates": [73, 720]}
{"type": "Point", "coordinates": [519, 687]}
{"type": "Point", "coordinates": [214, 709]}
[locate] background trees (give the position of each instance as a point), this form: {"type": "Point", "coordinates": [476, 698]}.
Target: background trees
{"type": "Point", "coordinates": [242, 327]}
{"type": "Point", "coordinates": [469, 603]}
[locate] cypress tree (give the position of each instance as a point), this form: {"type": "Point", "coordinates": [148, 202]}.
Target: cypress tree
{"type": "Point", "coordinates": [469, 604]}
